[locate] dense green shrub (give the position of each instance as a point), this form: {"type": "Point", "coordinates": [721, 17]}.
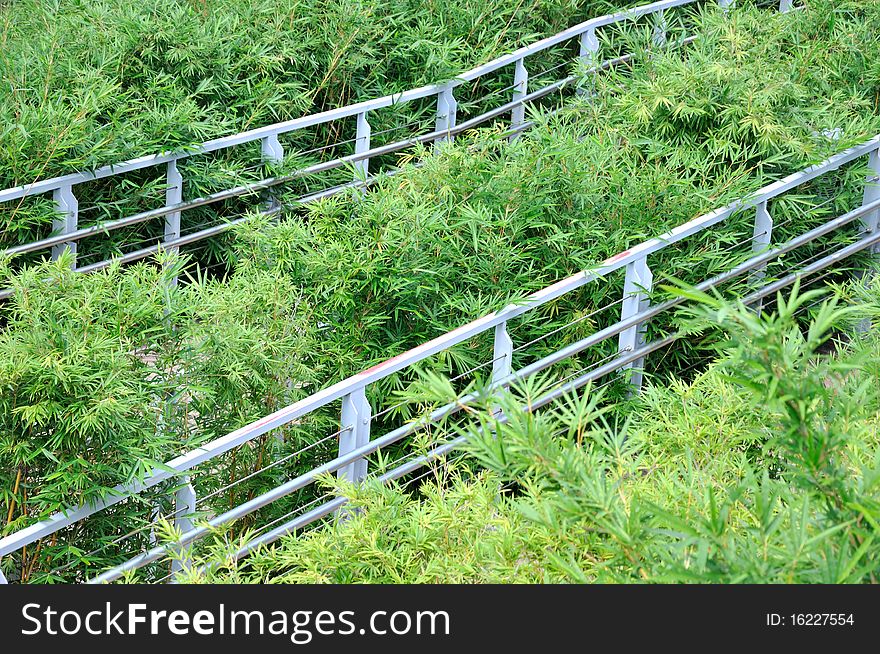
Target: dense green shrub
{"type": "Point", "coordinates": [91, 82]}
{"type": "Point", "coordinates": [483, 224]}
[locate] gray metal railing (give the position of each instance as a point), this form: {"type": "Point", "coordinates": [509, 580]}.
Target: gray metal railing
{"type": "Point", "coordinates": [68, 232]}
{"type": "Point", "coordinates": [355, 440]}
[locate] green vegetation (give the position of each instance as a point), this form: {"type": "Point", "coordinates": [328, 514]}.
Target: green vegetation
{"type": "Point", "coordinates": [103, 375]}
{"type": "Point", "coordinates": [765, 469]}
{"type": "Point", "coordinates": [94, 82]}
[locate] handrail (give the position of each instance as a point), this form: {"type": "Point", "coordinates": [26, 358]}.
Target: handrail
{"type": "Point", "coordinates": [330, 115]}
{"type": "Point", "coordinates": [66, 228]}
{"type": "Point", "coordinates": [356, 416]}
{"type": "Point", "coordinates": [356, 384]}
{"type": "Point", "coordinates": [871, 240]}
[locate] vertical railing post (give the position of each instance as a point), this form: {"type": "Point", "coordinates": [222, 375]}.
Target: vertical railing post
{"type": "Point", "coordinates": [67, 207]}
{"type": "Point", "coordinates": [872, 194]}
{"type": "Point", "coordinates": [870, 221]}
{"type": "Point", "coordinates": [726, 5]}
{"type": "Point", "coordinates": [502, 353]}
{"type": "Point", "coordinates": [273, 153]}
{"type": "Point", "coordinates": [636, 298]}
{"type": "Point", "coordinates": [785, 5]}
{"type": "Point", "coordinates": [3, 580]}
{"type": "Point", "coordinates": [761, 236]}
{"type": "Point", "coordinates": [447, 108]}
{"type": "Point", "coordinates": [502, 357]}
{"type": "Point", "coordinates": [173, 195]}
{"type": "Point", "coordinates": [362, 144]}
{"type": "Point", "coordinates": [184, 508]}
{"type": "Point", "coordinates": [520, 90]}
{"type": "Point", "coordinates": [354, 433]}
{"type": "Point", "coordinates": [589, 58]}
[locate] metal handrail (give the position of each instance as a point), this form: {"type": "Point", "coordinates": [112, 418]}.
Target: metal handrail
{"type": "Point", "coordinates": [352, 389]}
{"type": "Point", "coordinates": [66, 226]}
{"type": "Point", "coordinates": [355, 443]}
{"type": "Point", "coordinates": [330, 115]}
{"type": "Point", "coordinates": [629, 357]}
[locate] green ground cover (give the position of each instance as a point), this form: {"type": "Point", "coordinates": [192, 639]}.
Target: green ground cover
{"type": "Point", "coordinates": [87, 83]}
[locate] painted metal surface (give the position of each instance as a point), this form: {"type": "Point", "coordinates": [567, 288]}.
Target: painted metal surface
{"type": "Point", "coordinates": [355, 442]}
{"type": "Point", "coordinates": [637, 287]}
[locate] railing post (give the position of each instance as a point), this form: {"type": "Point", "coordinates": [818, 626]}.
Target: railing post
{"type": "Point", "coordinates": [726, 5]}
{"type": "Point", "coordinates": [589, 57]}
{"type": "Point", "coordinates": [173, 195]}
{"type": "Point", "coordinates": [271, 149]}
{"type": "Point", "coordinates": [362, 144]}
{"type": "Point", "coordinates": [184, 508]}
{"type": "Point", "coordinates": [355, 426]}
{"type": "Point", "coordinates": [872, 194]}
{"type": "Point", "coordinates": [502, 355]}
{"type": "Point", "coordinates": [785, 5]}
{"type": "Point", "coordinates": [520, 89]}
{"type": "Point", "coordinates": [67, 207]}
{"type": "Point", "coordinates": [870, 221]}
{"type": "Point", "coordinates": [636, 298]}
{"type": "Point", "coordinates": [273, 153]}
{"type": "Point", "coordinates": [447, 108]}
{"type": "Point", "coordinates": [3, 580]}
{"type": "Point", "coordinates": [761, 236]}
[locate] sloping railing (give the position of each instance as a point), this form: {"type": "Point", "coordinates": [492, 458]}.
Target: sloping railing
{"type": "Point", "coordinates": [67, 231]}
{"type": "Point", "coordinates": [356, 442]}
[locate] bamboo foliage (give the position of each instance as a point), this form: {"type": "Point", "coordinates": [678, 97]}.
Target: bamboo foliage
{"type": "Point", "coordinates": [92, 83]}
{"type": "Point", "coordinates": [104, 376]}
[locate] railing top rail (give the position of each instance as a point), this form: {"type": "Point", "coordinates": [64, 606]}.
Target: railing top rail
{"type": "Point", "coordinates": [415, 355]}
{"type": "Point", "coordinates": [269, 182]}
{"type": "Point", "coordinates": [44, 186]}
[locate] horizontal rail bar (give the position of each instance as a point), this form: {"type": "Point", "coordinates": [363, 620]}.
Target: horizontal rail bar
{"type": "Point", "coordinates": [656, 309]}
{"type": "Point", "coordinates": [255, 187]}
{"type": "Point", "coordinates": [571, 33]}
{"type": "Point", "coordinates": [334, 505]}
{"type": "Point", "coordinates": [843, 253]}
{"type": "Point", "coordinates": [187, 239]}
